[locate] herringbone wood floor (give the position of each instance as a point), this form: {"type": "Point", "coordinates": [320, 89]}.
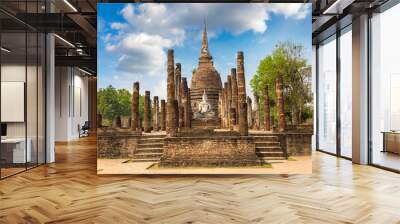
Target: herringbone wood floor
{"type": "Point", "coordinates": [69, 191]}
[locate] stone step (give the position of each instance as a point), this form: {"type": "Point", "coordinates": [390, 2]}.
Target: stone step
{"type": "Point", "coordinates": [265, 138]}
{"type": "Point", "coordinates": [146, 160]}
{"type": "Point", "coordinates": [151, 139]}
{"type": "Point", "coordinates": [152, 136]}
{"type": "Point", "coordinates": [150, 145]}
{"type": "Point", "coordinates": [261, 144]}
{"type": "Point", "coordinates": [269, 151]}
{"type": "Point", "coordinates": [270, 154]}
{"type": "Point", "coordinates": [149, 150]}
{"type": "Point", "coordinates": [273, 158]}
{"type": "Point", "coordinates": [268, 148]}
{"type": "Point", "coordinates": [147, 156]}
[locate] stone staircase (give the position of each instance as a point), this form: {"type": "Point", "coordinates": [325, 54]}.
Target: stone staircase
{"type": "Point", "coordinates": [150, 148]}
{"type": "Point", "coordinates": [268, 147]}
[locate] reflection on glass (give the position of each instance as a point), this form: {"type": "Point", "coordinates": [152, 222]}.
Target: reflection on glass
{"type": "Point", "coordinates": [346, 93]}
{"type": "Point", "coordinates": [13, 86]}
{"type": "Point", "coordinates": [327, 96]}
{"type": "Point", "coordinates": [385, 84]}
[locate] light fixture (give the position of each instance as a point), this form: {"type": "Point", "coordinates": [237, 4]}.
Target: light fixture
{"type": "Point", "coordinates": [337, 7]}
{"type": "Point", "coordinates": [64, 40]}
{"type": "Point", "coordinates": [70, 5]}
{"type": "Point", "coordinates": [5, 50]}
{"type": "Point", "coordinates": [84, 71]}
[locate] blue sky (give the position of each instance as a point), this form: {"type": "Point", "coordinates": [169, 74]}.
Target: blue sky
{"type": "Point", "coordinates": [133, 38]}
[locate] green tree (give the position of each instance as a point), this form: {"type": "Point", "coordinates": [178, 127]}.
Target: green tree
{"type": "Point", "coordinates": [289, 67]}
{"type": "Point", "coordinates": [113, 102]}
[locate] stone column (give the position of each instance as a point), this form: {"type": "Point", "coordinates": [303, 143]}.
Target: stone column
{"type": "Point", "coordinates": [267, 115]}
{"type": "Point", "coordinates": [190, 112]}
{"type": "Point", "coordinates": [181, 117]}
{"type": "Point", "coordinates": [162, 116]}
{"type": "Point", "coordinates": [129, 123]}
{"type": "Point", "coordinates": [249, 112]}
{"type": "Point", "coordinates": [226, 107]}
{"type": "Point", "coordinates": [220, 105]}
{"type": "Point", "coordinates": [280, 104]}
{"type": "Point", "coordinates": [178, 75]}
{"type": "Point", "coordinates": [229, 102]}
{"type": "Point", "coordinates": [222, 97]}
{"type": "Point", "coordinates": [116, 122]}
{"type": "Point", "coordinates": [243, 125]}
{"type": "Point", "coordinates": [232, 118]}
{"type": "Point", "coordinates": [185, 103]}
{"type": "Point", "coordinates": [235, 102]}
{"type": "Point", "coordinates": [99, 121]}
{"type": "Point", "coordinates": [156, 115]}
{"type": "Point", "coordinates": [256, 111]}
{"type": "Point", "coordinates": [147, 112]}
{"type": "Point", "coordinates": [175, 117]}
{"type": "Point", "coordinates": [171, 113]}
{"type": "Point", "coordinates": [135, 107]}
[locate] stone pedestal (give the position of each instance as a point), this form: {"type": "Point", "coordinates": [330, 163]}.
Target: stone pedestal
{"type": "Point", "coordinates": [211, 151]}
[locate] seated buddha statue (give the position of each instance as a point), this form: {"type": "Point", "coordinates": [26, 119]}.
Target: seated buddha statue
{"type": "Point", "coordinates": [204, 108]}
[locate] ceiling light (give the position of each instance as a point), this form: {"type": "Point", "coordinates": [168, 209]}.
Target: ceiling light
{"type": "Point", "coordinates": [338, 6]}
{"type": "Point", "coordinates": [64, 40]}
{"type": "Point", "coordinates": [5, 50]}
{"type": "Point", "coordinates": [70, 5]}
{"type": "Point", "coordinates": [84, 71]}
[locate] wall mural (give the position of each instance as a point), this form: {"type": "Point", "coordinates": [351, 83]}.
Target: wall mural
{"type": "Point", "coordinates": [204, 88]}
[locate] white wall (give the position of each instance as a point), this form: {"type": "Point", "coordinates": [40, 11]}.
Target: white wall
{"type": "Point", "coordinates": [71, 102]}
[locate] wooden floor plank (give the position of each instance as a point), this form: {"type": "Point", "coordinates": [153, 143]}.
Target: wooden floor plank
{"type": "Point", "coordinates": [70, 191]}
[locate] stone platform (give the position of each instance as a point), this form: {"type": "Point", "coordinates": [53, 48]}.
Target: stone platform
{"type": "Point", "coordinates": [209, 151]}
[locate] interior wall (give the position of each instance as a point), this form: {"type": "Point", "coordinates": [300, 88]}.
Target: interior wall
{"type": "Point", "coordinates": [71, 102]}
{"type": "Point", "coordinates": [16, 73]}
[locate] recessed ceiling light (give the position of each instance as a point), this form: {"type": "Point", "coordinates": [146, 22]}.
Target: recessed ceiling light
{"type": "Point", "coordinates": [70, 5]}
{"type": "Point", "coordinates": [64, 40]}
{"type": "Point", "coordinates": [84, 71]}
{"type": "Point", "coordinates": [5, 50]}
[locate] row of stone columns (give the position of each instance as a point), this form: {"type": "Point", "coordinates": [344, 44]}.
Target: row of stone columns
{"type": "Point", "coordinates": [234, 108]}
{"type": "Point", "coordinates": [153, 118]}
{"type": "Point", "coordinates": [179, 114]}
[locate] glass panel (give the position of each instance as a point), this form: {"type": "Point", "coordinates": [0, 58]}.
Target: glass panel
{"type": "Point", "coordinates": [41, 98]}
{"type": "Point", "coordinates": [327, 96]}
{"type": "Point", "coordinates": [346, 94]}
{"type": "Point", "coordinates": [31, 98]}
{"type": "Point", "coordinates": [385, 84]}
{"type": "Point", "coordinates": [13, 87]}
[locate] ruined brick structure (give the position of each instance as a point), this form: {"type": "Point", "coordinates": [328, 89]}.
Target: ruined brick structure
{"type": "Point", "coordinates": [206, 80]}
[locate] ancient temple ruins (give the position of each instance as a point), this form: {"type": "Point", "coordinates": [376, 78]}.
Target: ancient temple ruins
{"type": "Point", "coordinates": [205, 123]}
{"type": "Point", "coordinates": [206, 84]}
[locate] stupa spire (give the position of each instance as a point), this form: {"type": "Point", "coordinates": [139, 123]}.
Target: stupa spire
{"type": "Point", "coordinates": [204, 44]}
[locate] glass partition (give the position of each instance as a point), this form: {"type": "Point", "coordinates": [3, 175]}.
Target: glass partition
{"type": "Point", "coordinates": [22, 77]}
{"type": "Point", "coordinates": [346, 92]}
{"type": "Point", "coordinates": [327, 95]}
{"type": "Point", "coordinates": [385, 89]}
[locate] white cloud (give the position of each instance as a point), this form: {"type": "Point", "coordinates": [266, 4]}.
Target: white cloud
{"type": "Point", "coordinates": [297, 11]}
{"type": "Point", "coordinates": [160, 89]}
{"type": "Point", "coordinates": [141, 53]}
{"type": "Point", "coordinates": [119, 26]}
{"type": "Point", "coordinates": [150, 28]}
